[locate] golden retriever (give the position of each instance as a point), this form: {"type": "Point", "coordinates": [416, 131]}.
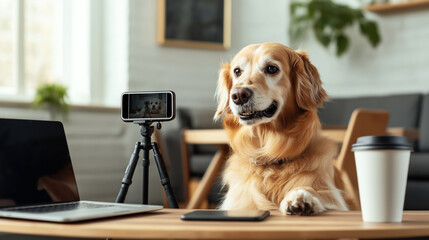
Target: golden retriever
{"type": "Point", "coordinates": [268, 97]}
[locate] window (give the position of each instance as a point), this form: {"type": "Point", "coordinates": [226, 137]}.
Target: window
{"type": "Point", "coordinates": [42, 46]}
{"type": "Point", "coordinates": [62, 41]}
{"type": "Point", "coordinates": [30, 45]}
{"type": "Point", "coordinates": [6, 40]}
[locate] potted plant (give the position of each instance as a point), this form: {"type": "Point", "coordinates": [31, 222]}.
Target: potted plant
{"type": "Point", "coordinates": [53, 96]}
{"type": "Point", "coordinates": [329, 21]}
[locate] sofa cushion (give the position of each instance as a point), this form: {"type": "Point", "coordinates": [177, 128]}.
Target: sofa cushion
{"type": "Point", "coordinates": [198, 164]}
{"type": "Point", "coordinates": [403, 109]}
{"type": "Point", "coordinates": [217, 192]}
{"type": "Point", "coordinates": [419, 165]}
{"type": "Point", "coordinates": [417, 195]}
{"type": "Point", "coordinates": [424, 125]}
{"type": "Point", "coordinates": [173, 156]}
{"type": "Point", "coordinates": [197, 118]}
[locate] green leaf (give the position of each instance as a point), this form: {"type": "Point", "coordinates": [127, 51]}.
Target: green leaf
{"type": "Point", "coordinates": [294, 5]}
{"type": "Point", "coordinates": [372, 33]}
{"type": "Point", "coordinates": [370, 30]}
{"type": "Point", "coordinates": [342, 44]}
{"type": "Point", "coordinates": [311, 9]}
{"type": "Point", "coordinates": [323, 38]}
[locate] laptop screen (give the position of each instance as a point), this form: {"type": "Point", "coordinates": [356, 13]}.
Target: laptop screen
{"type": "Point", "coordinates": [35, 165]}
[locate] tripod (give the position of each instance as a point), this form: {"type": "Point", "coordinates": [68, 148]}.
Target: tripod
{"type": "Point", "coordinates": [147, 144]}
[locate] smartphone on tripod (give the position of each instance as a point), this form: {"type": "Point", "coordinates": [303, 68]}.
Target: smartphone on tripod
{"type": "Point", "coordinates": [154, 106]}
{"type": "Point", "coordinates": [145, 108]}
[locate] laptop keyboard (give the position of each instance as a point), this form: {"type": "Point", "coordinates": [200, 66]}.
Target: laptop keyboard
{"type": "Point", "coordinates": [57, 207]}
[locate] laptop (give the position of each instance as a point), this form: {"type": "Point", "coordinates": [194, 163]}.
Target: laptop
{"type": "Point", "coordinates": [37, 181]}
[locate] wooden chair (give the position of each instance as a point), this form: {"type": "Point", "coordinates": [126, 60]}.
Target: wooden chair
{"type": "Point", "coordinates": [196, 186]}
{"type": "Point", "coordinates": [362, 122]}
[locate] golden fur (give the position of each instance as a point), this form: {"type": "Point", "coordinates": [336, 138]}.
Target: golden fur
{"type": "Point", "coordinates": [304, 184]}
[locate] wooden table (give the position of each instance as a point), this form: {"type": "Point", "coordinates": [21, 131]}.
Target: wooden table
{"type": "Point", "coordinates": [220, 138]}
{"type": "Point", "coordinates": [166, 224]}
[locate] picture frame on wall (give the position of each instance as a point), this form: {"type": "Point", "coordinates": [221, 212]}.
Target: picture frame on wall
{"type": "Point", "coordinates": [202, 24]}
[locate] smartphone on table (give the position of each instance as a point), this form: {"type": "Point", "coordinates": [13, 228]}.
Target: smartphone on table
{"type": "Point", "coordinates": [226, 215]}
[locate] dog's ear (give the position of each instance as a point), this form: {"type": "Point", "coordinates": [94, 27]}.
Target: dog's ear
{"type": "Point", "coordinates": [224, 85]}
{"type": "Point", "coordinates": [308, 86]}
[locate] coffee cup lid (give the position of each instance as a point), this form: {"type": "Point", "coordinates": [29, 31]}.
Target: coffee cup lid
{"type": "Point", "coordinates": [382, 142]}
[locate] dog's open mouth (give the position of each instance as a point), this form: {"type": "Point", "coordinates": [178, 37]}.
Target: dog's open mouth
{"type": "Point", "coordinates": [268, 112]}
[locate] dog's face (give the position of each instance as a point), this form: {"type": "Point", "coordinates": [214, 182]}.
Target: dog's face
{"type": "Point", "coordinates": [265, 81]}
{"type": "Point", "coordinates": [155, 105]}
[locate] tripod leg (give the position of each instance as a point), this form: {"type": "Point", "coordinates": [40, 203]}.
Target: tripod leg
{"type": "Point", "coordinates": [146, 131]}
{"type": "Point", "coordinates": [145, 163]}
{"type": "Point", "coordinates": [129, 172]}
{"type": "Point", "coordinates": [165, 181]}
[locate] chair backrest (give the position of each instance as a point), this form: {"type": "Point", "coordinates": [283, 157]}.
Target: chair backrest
{"type": "Point", "coordinates": [363, 122]}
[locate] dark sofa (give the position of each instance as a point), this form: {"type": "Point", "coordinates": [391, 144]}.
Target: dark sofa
{"type": "Point", "coordinates": [406, 110]}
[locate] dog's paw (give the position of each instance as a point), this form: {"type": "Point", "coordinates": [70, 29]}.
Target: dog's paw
{"type": "Point", "coordinates": [300, 202]}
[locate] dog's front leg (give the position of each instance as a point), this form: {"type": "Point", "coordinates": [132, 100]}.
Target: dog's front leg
{"type": "Point", "coordinates": [236, 198]}
{"type": "Point", "coordinates": [301, 202]}
{"type": "Point", "coordinates": [245, 196]}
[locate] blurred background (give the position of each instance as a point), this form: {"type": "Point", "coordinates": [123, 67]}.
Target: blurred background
{"type": "Point", "coordinates": [101, 48]}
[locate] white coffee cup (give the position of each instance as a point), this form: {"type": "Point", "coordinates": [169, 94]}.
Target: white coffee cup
{"type": "Point", "coordinates": [382, 170]}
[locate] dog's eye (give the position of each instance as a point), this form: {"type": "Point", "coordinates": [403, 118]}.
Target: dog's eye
{"type": "Point", "coordinates": [237, 72]}
{"type": "Point", "coordinates": [271, 69]}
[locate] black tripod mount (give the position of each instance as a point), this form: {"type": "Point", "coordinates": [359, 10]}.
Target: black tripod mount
{"type": "Point", "coordinates": [146, 145]}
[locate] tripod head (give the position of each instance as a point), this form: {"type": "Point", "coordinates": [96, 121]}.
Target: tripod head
{"type": "Point", "coordinates": [147, 128]}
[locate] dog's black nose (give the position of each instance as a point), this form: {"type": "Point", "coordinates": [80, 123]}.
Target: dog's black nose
{"type": "Point", "coordinates": [241, 96]}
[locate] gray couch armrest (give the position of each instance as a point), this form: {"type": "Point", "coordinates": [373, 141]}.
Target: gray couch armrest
{"type": "Point", "coordinates": [174, 155]}
{"type": "Point", "coordinates": [424, 125]}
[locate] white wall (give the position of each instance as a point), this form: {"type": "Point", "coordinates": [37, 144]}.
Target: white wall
{"type": "Point", "coordinates": [192, 73]}
{"type": "Point", "coordinates": [400, 63]}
